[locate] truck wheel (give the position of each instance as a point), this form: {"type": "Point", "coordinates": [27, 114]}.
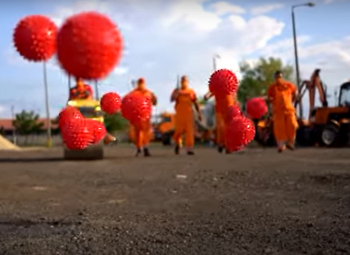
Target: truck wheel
{"type": "Point", "coordinates": [166, 139]}
{"type": "Point", "coordinates": [329, 135]}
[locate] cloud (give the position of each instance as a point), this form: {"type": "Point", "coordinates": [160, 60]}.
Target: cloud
{"type": "Point", "coordinates": [3, 109]}
{"type": "Point", "coordinates": [263, 9]}
{"type": "Point", "coordinates": [120, 70]}
{"type": "Point", "coordinates": [222, 8]}
{"type": "Point", "coordinates": [332, 1]}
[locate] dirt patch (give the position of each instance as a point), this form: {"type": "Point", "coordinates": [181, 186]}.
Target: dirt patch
{"type": "Point", "coordinates": [7, 145]}
{"type": "Point", "coordinates": [254, 202]}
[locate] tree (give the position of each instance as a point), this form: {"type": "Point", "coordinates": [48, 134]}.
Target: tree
{"type": "Point", "coordinates": [257, 78]}
{"type": "Point", "coordinates": [115, 122]}
{"type": "Point", "coordinates": [27, 123]}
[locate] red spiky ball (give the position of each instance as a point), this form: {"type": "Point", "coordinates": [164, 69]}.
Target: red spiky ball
{"type": "Point", "coordinates": [239, 133]}
{"type": "Point", "coordinates": [136, 109]}
{"type": "Point", "coordinates": [89, 45]}
{"type": "Point", "coordinates": [223, 82]}
{"type": "Point", "coordinates": [68, 114]}
{"type": "Point", "coordinates": [78, 135]}
{"type": "Point", "coordinates": [233, 111]}
{"type": "Point", "coordinates": [98, 128]}
{"type": "Point", "coordinates": [34, 38]}
{"type": "Point", "coordinates": [256, 107]}
{"type": "Point", "coordinates": [111, 103]}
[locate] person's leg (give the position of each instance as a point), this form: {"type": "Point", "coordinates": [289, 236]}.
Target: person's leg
{"type": "Point", "coordinates": [189, 138]}
{"type": "Point", "coordinates": [220, 132]}
{"type": "Point", "coordinates": [279, 130]}
{"type": "Point", "coordinates": [146, 140]}
{"type": "Point", "coordinates": [291, 130]}
{"type": "Point", "coordinates": [179, 130]}
{"type": "Point", "coordinates": [139, 134]}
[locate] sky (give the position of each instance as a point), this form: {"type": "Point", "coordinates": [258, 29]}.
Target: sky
{"type": "Point", "coordinates": [167, 38]}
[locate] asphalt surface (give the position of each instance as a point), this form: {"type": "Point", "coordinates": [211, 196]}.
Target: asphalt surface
{"type": "Point", "coordinates": [252, 202]}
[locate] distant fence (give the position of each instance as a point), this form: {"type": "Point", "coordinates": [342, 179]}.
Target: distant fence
{"type": "Point", "coordinates": [41, 140]}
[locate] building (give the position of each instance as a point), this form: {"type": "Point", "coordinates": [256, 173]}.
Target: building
{"type": "Point", "coordinates": [7, 128]}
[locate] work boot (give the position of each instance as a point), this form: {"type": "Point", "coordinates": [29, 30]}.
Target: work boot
{"type": "Point", "coordinates": [138, 151]}
{"type": "Point", "coordinates": [220, 149]}
{"type": "Point", "coordinates": [109, 139]}
{"type": "Point", "coordinates": [190, 153]}
{"type": "Point", "coordinates": [290, 147]}
{"type": "Point", "coordinates": [146, 152]}
{"type": "Point", "coordinates": [177, 149]}
{"type": "Point", "coordinates": [281, 149]}
{"type": "Point", "coordinates": [227, 151]}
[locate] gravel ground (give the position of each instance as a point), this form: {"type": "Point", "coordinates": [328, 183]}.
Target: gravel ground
{"type": "Point", "coordinates": [252, 202]}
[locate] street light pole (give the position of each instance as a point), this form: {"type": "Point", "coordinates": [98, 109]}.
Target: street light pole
{"type": "Point", "coordinates": [215, 57]}
{"type": "Point", "coordinates": [297, 71]}
{"type": "Point", "coordinates": [47, 107]}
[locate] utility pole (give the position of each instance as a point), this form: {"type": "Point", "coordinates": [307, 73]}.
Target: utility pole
{"type": "Point", "coordinates": [297, 71]}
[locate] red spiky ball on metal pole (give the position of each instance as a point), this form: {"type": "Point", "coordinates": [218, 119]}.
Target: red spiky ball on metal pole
{"type": "Point", "coordinates": [35, 38]}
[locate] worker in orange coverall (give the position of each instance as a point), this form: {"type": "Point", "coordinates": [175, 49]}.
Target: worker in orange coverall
{"type": "Point", "coordinates": [185, 98]}
{"type": "Point", "coordinates": [80, 91]}
{"type": "Point", "coordinates": [222, 105]}
{"type": "Point", "coordinates": [281, 94]}
{"type": "Point", "coordinates": [142, 134]}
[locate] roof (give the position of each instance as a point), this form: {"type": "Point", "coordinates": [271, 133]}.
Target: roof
{"type": "Point", "coordinates": [7, 124]}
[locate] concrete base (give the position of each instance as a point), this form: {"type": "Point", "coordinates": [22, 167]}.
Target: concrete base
{"type": "Point", "coordinates": [93, 152]}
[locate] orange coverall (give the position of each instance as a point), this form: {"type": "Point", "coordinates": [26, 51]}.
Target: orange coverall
{"type": "Point", "coordinates": [81, 91]}
{"type": "Point", "coordinates": [285, 124]}
{"type": "Point", "coordinates": [222, 105]}
{"type": "Point", "coordinates": [184, 117]}
{"type": "Point", "coordinates": [143, 134]}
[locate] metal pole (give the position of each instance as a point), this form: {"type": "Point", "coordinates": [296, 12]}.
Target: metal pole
{"type": "Point", "coordinates": [47, 106]}
{"type": "Point", "coordinates": [296, 62]}
{"type": "Point", "coordinates": [178, 82]}
{"type": "Point", "coordinates": [69, 83]}
{"type": "Point", "coordinates": [133, 84]}
{"type": "Point", "coordinates": [96, 90]}
{"type": "Point", "coordinates": [14, 127]}
{"type": "Point", "coordinates": [309, 4]}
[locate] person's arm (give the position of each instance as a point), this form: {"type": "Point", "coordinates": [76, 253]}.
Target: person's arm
{"type": "Point", "coordinates": [174, 95]}
{"type": "Point", "coordinates": [208, 95]}
{"type": "Point", "coordinates": [294, 92]}
{"type": "Point", "coordinates": [270, 94]}
{"type": "Point", "coordinates": [154, 99]}
{"type": "Point", "coordinates": [196, 105]}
